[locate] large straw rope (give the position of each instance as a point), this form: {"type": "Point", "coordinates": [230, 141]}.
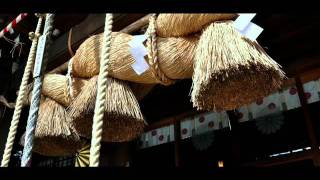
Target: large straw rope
{"type": "Point", "coordinates": [36, 94]}
{"type": "Point", "coordinates": [101, 96]}
{"type": "Point", "coordinates": [22, 94]}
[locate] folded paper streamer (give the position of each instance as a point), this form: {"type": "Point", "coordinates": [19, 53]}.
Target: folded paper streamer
{"type": "Point", "coordinates": [248, 29]}
{"type": "Point", "coordinates": [138, 51]}
{"type": "Point", "coordinates": [252, 31]}
{"type": "Point", "coordinates": [243, 21]}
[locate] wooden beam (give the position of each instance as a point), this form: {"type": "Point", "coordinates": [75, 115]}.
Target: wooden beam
{"type": "Point", "coordinates": [137, 25]}
{"type": "Point", "coordinates": [281, 160]}
{"type": "Point", "coordinates": [171, 120]}
{"type": "Point", "coordinates": [294, 45]}
{"type": "Point", "coordinates": [235, 145]}
{"type": "Point", "coordinates": [302, 65]}
{"type": "Point", "coordinates": [60, 69]}
{"type": "Point", "coordinates": [177, 139]}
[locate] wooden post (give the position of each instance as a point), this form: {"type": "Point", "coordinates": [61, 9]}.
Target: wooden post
{"type": "Point", "coordinates": [177, 139]}
{"type": "Point", "coordinates": [308, 121]}
{"type": "Point", "coordinates": [235, 145]}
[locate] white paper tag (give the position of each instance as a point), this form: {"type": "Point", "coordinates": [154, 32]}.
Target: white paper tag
{"type": "Point", "coordinates": [39, 56]}
{"type": "Point", "coordinates": [138, 51]}
{"type": "Point", "coordinates": [138, 39]}
{"type": "Point", "coordinates": [11, 31]}
{"type": "Point", "coordinates": [140, 67]}
{"type": "Point", "coordinates": [17, 39]}
{"type": "Point", "coordinates": [243, 20]}
{"type": "Point", "coordinates": [252, 31]}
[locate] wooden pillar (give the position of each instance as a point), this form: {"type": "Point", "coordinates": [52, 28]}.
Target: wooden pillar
{"type": "Point", "coordinates": [308, 121]}
{"type": "Point", "coordinates": [177, 139]}
{"type": "Point", "coordinates": [235, 144]}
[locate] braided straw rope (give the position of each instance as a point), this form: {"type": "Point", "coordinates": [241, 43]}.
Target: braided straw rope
{"type": "Point", "coordinates": [70, 94]}
{"type": "Point", "coordinates": [22, 94]}
{"type": "Point", "coordinates": [101, 94]}
{"type": "Point", "coordinates": [36, 95]}
{"type": "Point", "coordinates": [153, 53]}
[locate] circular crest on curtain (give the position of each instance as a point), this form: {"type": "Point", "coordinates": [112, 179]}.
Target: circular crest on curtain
{"type": "Point", "coordinates": [82, 156]}
{"type": "Point", "coordinates": [270, 124]}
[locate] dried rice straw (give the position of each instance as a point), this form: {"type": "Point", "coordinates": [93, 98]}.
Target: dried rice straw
{"type": "Point", "coordinates": [175, 58]}
{"type": "Point", "coordinates": [123, 118]}
{"type": "Point", "coordinates": [182, 24]}
{"type": "Point", "coordinates": [54, 134]}
{"type": "Point", "coordinates": [55, 86]}
{"type": "Point", "coordinates": [230, 70]}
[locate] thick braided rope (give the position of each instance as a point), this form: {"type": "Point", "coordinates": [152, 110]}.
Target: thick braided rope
{"type": "Point", "coordinates": [22, 94]}
{"type": "Point", "coordinates": [101, 94]}
{"type": "Point", "coordinates": [153, 53]}
{"type": "Point", "coordinates": [70, 94]}
{"type": "Point", "coordinates": [36, 95]}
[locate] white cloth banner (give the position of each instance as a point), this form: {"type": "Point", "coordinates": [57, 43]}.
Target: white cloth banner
{"type": "Point", "coordinates": [311, 91]}
{"type": "Point", "coordinates": [186, 128]}
{"type": "Point", "coordinates": [268, 105]}
{"type": "Point", "coordinates": [291, 98]}
{"type": "Point", "coordinates": [243, 114]}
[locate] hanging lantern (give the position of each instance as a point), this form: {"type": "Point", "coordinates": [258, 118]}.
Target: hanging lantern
{"type": "Point", "coordinates": [270, 124]}
{"type": "Point", "coordinates": [203, 141]}
{"type": "Point", "coordinates": [220, 164]}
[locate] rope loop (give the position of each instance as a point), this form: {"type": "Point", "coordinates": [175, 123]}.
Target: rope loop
{"type": "Point", "coordinates": [153, 53]}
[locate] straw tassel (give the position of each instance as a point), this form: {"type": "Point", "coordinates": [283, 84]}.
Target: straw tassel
{"type": "Point", "coordinates": [230, 70]}
{"type": "Point", "coordinates": [123, 118]}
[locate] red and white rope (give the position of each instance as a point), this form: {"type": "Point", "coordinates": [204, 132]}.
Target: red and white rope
{"type": "Point", "coordinates": [13, 24]}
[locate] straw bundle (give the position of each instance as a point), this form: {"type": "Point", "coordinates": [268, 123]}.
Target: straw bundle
{"type": "Point", "coordinates": [178, 24]}
{"type": "Point", "coordinates": [123, 118]}
{"type": "Point", "coordinates": [54, 135]}
{"type": "Point", "coordinates": [173, 54]}
{"type": "Point", "coordinates": [55, 86]}
{"type": "Point", "coordinates": [231, 70]}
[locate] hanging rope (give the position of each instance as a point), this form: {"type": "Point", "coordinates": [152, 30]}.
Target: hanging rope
{"type": "Point", "coordinates": [36, 94]}
{"type": "Point", "coordinates": [21, 95]}
{"type": "Point", "coordinates": [101, 94]}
